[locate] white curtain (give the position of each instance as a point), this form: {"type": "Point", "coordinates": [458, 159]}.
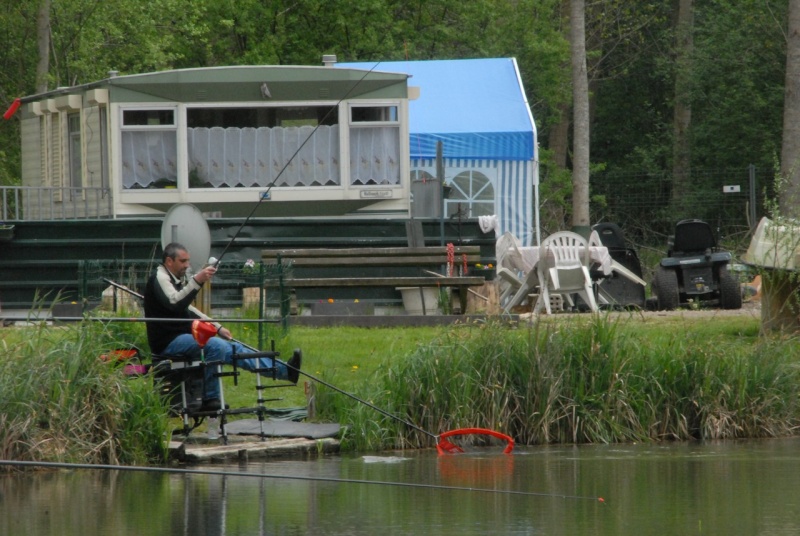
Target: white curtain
{"type": "Point", "coordinates": [148, 157]}
{"type": "Point", "coordinates": [255, 156]}
{"type": "Point", "coordinates": [375, 155]}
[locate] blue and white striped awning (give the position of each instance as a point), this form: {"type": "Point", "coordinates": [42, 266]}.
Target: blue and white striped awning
{"type": "Point", "coordinates": [478, 110]}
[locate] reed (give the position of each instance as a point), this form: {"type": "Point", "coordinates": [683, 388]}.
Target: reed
{"type": "Point", "coordinates": [592, 378]}
{"type": "Point", "coordinates": [603, 380]}
{"type": "Point", "coordinates": [62, 402]}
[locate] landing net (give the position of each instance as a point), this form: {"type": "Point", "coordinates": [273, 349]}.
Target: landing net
{"type": "Point", "coordinates": [468, 439]}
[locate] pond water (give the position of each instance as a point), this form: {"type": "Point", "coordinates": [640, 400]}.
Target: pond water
{"type": "Point", "coordinates": [742, 488]}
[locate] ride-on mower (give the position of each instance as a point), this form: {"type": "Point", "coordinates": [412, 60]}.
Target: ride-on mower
{"type": "Point", "coordinates": [695, 269]}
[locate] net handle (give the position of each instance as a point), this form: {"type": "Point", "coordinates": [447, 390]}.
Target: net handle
{"type": "Point", "coordinates": [445, 446]}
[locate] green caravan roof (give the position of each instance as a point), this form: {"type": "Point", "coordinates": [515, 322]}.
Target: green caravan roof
{"type": "Point", "coordinates": [247, 83]}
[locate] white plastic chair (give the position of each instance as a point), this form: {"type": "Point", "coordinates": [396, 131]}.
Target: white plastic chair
{"type": "Point", "coordinates": [508, 272]}
{"type": "Point", "coordinates": [563, 269]}
{"type": "Point", "coordinates": [600, 293]}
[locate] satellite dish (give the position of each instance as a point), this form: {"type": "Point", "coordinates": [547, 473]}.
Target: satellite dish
{"type": "Point", "coordinates": [184, 223]}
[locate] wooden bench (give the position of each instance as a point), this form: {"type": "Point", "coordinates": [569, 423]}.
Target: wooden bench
{"type": "Point", "coordinates": [378, 267]}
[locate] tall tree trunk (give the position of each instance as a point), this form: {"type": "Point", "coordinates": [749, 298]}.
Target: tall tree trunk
{"type": "Point", "coordinates": [558, 140]}
{"type": "Point", "coordinates": [779, 309]}
{"type": "Point", "coordinates": [682, 114]}
{"type": "Point", "coordinates": [580, 114]}
{"type": "Point", "coordinates": [789, 201]}
{"type": "Point", "coordinates": [43, 42]}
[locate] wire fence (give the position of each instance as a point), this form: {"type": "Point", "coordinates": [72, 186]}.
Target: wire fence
{"type": "Point", "coordinates": [647, 206]}
{"type": "Point", "coordinates": [259, 292]}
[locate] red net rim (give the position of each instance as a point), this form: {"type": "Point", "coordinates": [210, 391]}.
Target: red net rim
{"type": "Point", "coordinates": [446, 447]}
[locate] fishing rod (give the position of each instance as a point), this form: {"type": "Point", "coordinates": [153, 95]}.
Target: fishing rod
{"type": "Point", "coordinates": [265, 194]}
{"type": "Point", "coordinates": [140, 297]}
{"type": "Point", "coordinates": [217, 472]}
{"type": "Point", "coordinates": [160, 320]}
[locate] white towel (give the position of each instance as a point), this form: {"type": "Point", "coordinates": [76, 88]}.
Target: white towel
{"type": "Point", "coordinates": [489, 224]}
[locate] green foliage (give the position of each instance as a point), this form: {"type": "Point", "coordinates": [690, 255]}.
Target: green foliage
{"type": "Point", "coordinates": [62, 402]}
{"type": "Point", "coordinates": [738, 112]}
{"type": "Point", "coordinates": [737, 69]}
{"type": "Point", "coordinates": [91, 38]}
{"type": "Point", "coordinates": [555, 193]}
{"type": "Point", "coordinates": [632, 124]}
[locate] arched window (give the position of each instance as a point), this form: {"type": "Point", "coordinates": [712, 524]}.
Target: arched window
{"type": "Point", "coordinates": [473, 193]}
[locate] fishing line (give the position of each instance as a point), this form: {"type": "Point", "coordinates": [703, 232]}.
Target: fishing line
{"type": "Point", "coordinates": [265, 194]}
{"type": "Point", "coordinates": [212, 472]}
{"type": "Point", "coordinates": [368, 404]}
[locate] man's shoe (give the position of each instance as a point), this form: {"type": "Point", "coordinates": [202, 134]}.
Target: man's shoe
{"type": "Point", "coordinates": [293, 368]}
{"type": "Point", "coordinates": [212, 404]}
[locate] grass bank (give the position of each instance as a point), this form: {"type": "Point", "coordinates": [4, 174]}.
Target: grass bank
{"type": "Point", "coordinates": [575, 380]}
{"type": "Point", "coordinates": [60, 402]}
{"type": "Point", "coordinates": [586, 380]}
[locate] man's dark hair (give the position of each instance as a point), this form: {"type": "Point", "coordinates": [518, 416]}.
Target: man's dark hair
{"type": "Point", "coordinates": [171, 251]}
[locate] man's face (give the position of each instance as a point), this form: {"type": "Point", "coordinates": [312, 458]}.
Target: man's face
{"type": "Point", "coordinates": [179, 264]}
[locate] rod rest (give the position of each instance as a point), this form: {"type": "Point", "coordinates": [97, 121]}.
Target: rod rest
{"type": "Point", "coordinates": [178, 361]}
{"type": "Point", "coordinates": [250, 355]}
{"type": "Point", "coordinates": [273, 370]}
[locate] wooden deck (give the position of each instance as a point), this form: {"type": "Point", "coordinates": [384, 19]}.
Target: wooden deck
{"type": "Point", "coordinates": [202, 450]}
{"type": "Point", "coordinates": [253, 439]}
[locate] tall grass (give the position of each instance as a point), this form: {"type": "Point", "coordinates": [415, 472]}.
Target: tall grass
{"type": "Point", "coordinates": [581, 382]}
{"type": "Point", "coordinates": [60, 402]}
{"type": "Point", "coordinates": [591, 379]}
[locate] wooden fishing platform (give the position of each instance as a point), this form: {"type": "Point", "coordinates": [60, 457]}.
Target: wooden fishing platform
{"type": "Point", "coordinates": [248, 439]}
{"type": "Point", "coordinates": [242, 450]}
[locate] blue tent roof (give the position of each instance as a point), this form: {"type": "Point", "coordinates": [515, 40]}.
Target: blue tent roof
{"type": "Point", "coordinates": [477, 108]}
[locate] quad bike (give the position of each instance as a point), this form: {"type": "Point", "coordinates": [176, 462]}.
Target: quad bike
{"type": "Point", "coordinates": [695, 269]}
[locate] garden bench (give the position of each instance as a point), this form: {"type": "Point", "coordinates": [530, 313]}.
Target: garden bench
{"type": "Point", "coordinates": [390, 267]}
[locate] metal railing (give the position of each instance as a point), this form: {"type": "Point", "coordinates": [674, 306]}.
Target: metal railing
{"type": "Point", "coordinates": [230, 287]}
{"type": "Point", "coordinates": [44, 203]}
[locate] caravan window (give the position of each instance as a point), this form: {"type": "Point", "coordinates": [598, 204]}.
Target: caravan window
{"type": "Point", "coordinates": [74, 153]}
{"type": "Point", "coordinates": [148, 118]}
{"type": "Point", "coordinates": [149, 149]}
{"type": "Point", "coordinates": [374, 114]}
{"type": "Point", "coordinates": [282, 146]}
{"type": "Point", "coordinates": [374, 145]}
{"type": "Point", "coordinates": [250, 117]}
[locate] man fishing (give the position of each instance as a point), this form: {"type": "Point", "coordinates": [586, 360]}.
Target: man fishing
{"type": "Point", "coordinates": [168, 297]}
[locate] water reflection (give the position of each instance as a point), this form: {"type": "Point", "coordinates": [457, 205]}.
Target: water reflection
{"type": "Point", "coordinates": [722, 488]}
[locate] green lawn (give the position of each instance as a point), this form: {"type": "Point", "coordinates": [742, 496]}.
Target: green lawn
{"type": "Point", "coordinates": [346, 357]}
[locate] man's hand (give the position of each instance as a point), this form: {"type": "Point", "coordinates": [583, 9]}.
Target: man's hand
{"type": "Point", "coordinates": [225, 333]}
{"type": "Point", "coordinates": [205, 274]}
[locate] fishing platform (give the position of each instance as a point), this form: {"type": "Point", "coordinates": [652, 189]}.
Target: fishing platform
{"type": "Point", "coordinates": [247, 440]}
